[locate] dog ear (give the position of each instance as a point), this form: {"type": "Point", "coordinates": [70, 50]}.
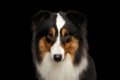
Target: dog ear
{"type": "Point", "coordinates": [77, 18]}
{"type": "Point", "coordinates": [39, 17]}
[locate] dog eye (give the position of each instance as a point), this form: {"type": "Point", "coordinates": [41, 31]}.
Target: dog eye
{"type": "Point", "coordinates": [50, 34]}
{"type": "Point", "coordinates": [66, 35]}
{"type": "Point", "coordinates": [66, 38]}
{"type": "Point", "coordinates": [49, 37]}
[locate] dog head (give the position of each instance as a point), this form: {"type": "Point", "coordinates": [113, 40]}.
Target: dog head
{"type": "Point", "coordinates": [59, 34]}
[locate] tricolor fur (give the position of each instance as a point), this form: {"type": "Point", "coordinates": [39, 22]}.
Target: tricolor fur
{"type": "Point", "coordinates": [59, 46]}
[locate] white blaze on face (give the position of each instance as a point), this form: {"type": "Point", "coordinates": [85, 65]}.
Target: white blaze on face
{"type": "Point", "coordinates": [56, 48]}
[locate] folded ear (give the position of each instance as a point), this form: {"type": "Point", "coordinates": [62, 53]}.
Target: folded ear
{"type": "Point", "coordinates": [40, 16]}
{"type": "Point", "coordinates": [77, 18]}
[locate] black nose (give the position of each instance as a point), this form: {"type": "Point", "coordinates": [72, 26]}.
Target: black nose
{"type": "Point", "coordinates": [57, 57]}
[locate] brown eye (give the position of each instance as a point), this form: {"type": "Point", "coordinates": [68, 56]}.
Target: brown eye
{"type": "Point", "coordinates": [66, 38]}
{"type": "Point", "coordinates": [66, 35]}
{"type": "Point", "coordinates": [50, 37]}
{"type": "Point", "coordinates": [50, 34]}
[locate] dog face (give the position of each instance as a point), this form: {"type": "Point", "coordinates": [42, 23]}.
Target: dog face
{"type": "Point", "coordinates": [58, 34]}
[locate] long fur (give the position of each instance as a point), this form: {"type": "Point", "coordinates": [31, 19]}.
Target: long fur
{"type": "Point", "coordinates": [78, 67]}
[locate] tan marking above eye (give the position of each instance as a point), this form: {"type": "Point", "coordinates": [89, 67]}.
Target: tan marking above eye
{"type": "Point", "coordinates": [66, 37]}
{"type": "Point", "coordinates": [52, 32]}
{"type": "Point", "coordinates": [64, 31]}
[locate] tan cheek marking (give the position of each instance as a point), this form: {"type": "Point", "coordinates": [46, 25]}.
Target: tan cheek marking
{"type": "Point", "coordinates": [43, 47]}
{"type": "Point", "coordinates": [71, 47]}
{"type": "Point", "coordinates": [64, 31]}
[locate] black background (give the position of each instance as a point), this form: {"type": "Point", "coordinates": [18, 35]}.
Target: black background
{"type": "Point", "coordinates": [17, 35]}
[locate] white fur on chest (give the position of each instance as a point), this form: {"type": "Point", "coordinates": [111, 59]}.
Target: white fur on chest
{"type": "Point", "coordinates": [64, 70]}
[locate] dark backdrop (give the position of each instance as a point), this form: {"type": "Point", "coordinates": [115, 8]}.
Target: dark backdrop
{"type": "Point", "coordinates": [18, 35]}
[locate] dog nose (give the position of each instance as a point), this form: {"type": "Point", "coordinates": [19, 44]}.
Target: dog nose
{"type": "Point", "coordinates": [57, 57]}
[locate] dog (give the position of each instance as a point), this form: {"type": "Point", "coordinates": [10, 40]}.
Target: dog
{"type": "Point", "coordinates": [59, 46]}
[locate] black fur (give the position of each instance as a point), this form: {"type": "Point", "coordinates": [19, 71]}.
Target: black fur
{"type": "Point", "coordinates": [41, 22]}
{"type": "Point", "coordinates": [90, 73]}
{"type": "Point", "coordinates": [76, 24]}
